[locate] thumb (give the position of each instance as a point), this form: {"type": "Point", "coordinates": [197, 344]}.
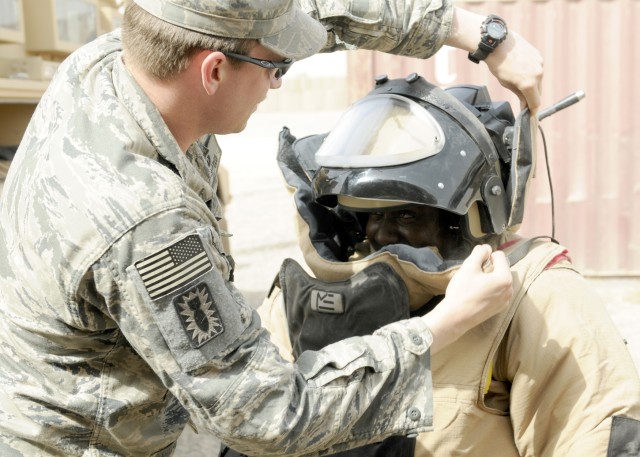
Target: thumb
{"type": "Point", "coordinates": [478, 257]}
{"type": "Point", "coordinates": [500, 262]}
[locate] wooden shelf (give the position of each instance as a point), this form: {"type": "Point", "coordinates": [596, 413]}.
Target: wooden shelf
{"type": "Point", "coordinates": [21, 90]}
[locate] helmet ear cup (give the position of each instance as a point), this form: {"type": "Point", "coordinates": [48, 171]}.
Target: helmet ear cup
{"type": "Point", "coordinates": [473, 223]}
{"type": "Point", "coordinates": [477, 223]}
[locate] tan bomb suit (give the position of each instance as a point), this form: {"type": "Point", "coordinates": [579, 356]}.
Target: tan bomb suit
{"type": "Point", "coordinates": [559, 372]}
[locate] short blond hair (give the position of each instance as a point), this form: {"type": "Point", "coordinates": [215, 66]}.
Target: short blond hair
{"type": "Point", "coordinates": [164, 50]}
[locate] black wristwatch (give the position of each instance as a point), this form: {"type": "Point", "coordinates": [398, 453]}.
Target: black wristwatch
{"type": "Point", "coordinates": [493, 31]}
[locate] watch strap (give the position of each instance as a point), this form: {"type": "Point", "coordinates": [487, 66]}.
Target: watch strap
{"type": "Point", "coordinates": [484, 49]}
{"type": "Point", "coordinates": [480, 54]}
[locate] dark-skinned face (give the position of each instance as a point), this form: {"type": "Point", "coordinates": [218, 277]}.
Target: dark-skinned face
{"type": "Point", "coordinates": [417, 226]}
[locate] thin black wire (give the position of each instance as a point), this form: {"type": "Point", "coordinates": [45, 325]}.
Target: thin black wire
{"type": "Point", "coordinates": [553, 205]}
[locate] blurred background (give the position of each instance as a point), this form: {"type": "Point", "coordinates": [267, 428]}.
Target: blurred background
{"type": "Point", "coordinates": [587, 45]}
{"type": "Point", "coordinates": [593, 152]}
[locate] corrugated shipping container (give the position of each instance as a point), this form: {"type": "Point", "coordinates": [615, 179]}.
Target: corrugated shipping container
{"type": "Point", "coordinates": [594, 146]}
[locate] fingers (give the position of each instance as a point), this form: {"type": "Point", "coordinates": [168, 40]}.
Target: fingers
{"type": "Point", "coordinates": [483, 259]}
{"type": "Point", "coordinates": [529, 95]}
{"type": "Point", "coordinates": [487, 271]}
{"type": "Point", "coordinates": [474, 294]}
{"type": "Point", "coordinates": [501, 274]}
{"type": "Point", "coordinates": [519, 67]}
{"type": "Point", "coordinates": [531, 99]}
{"type": "Point", "coordinates": [500, 262]}
{"type": "Point", "coordinates": [478, 258]}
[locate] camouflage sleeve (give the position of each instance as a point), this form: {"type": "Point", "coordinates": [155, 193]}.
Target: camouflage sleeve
{"type": "Point", "coordinates": [199, 337]}
{"type": "Point", "coordinates": [415, 28]}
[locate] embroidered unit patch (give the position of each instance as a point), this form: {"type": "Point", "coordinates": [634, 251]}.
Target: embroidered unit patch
{"type": "Point", "coordinates": [199, 315]}
{"type": "Point", "coordinates": [173, 267]}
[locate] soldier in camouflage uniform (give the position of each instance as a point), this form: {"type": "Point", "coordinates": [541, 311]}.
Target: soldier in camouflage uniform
{"type": "Point", "coordinates": [121, 323]}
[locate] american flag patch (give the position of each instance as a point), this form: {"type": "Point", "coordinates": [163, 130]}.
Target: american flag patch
{"type": "Point", "coordinates": [173, 267]}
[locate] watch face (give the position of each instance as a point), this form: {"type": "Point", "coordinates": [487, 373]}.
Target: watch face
{"type": "Point", "coordinates": [495, 30]}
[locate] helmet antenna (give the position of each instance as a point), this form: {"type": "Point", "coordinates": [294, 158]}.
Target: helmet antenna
{"type": "Point", "coordinates": [562, 104]}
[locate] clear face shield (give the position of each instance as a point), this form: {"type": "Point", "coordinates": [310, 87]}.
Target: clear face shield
{"type": "Point", "coordinates": [390, 150]}
{"type": "Point", "coordinates": [379, 131]}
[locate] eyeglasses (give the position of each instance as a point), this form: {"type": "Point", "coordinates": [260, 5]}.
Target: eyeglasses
{"type": "Point", "coordinates": [281, 67]}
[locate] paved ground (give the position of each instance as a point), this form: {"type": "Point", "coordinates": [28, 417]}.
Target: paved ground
{"type": "Point", "coordinates": [261, 217]}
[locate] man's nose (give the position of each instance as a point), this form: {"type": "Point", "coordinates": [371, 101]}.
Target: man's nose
{"type": "Point", "coordinates": [275, 82]}
{"type": "Point", "coordinates": [387, 232]}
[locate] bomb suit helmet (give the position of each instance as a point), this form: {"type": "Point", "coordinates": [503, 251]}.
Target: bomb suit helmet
{"type": "Point", "coordinates": [455, 150]}
{"type": "Point", "coordinates": [409, 142]}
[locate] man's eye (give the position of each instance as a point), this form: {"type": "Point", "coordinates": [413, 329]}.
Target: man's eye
{"type": "Point", "coordinates": [376, 215]}
{"type": "Point", "coordinates": [407, 216]}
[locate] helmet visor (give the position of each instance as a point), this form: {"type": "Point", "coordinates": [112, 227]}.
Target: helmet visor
{"type": "Point", "coordinates": [379, 131]}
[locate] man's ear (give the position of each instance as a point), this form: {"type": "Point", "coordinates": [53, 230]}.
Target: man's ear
{"type": "Point", "coordinates": [211, 69]}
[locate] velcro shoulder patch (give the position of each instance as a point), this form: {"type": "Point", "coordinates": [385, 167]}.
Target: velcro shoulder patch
{"type": "Point", "coordinates": [174, 266]}
{"type": "Point", "coordinates": [625, 437]}
{"type": "Point", "coordinates": [199, 315]}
